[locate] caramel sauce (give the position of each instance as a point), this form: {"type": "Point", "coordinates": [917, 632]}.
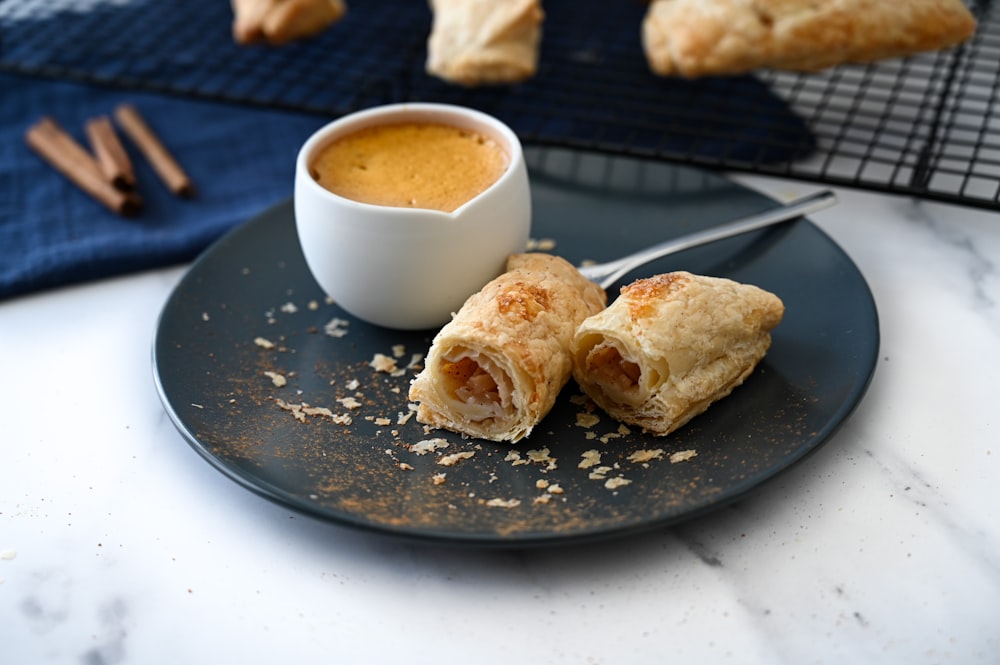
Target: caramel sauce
{"type": "Point", "coordinates": [411, 165]}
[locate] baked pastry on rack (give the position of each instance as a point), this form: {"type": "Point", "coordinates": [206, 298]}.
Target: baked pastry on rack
{"type": "Point", "coordinates": [671, 345]}
{"type": "Point", "coordinates": [693, 38]}
{"type": "Point", "coordinates": [484, 42]}
{"type": "Point", "coordinates": [282, 21]}
{"type": "Point", "coordinates": [495, 370]}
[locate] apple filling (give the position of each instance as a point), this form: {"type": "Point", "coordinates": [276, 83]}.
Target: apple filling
{"type": "Point", "coordinates": [613, 373]}
{"type": "Point", "coordinates": [479, 388]}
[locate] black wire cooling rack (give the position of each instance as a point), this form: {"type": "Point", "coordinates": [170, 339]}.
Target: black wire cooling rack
{"type": "Point", "coordinates": [924, 126]}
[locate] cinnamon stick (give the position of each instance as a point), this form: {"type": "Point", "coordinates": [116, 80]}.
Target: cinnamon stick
{"type": "Point", "coordinates": [111, 156]}
{"type": "Point", "coordinates": [173, 176]}
{"type": "Point", "coordinates": [71, 159]}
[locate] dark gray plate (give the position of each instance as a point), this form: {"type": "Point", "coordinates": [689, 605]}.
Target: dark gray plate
{"type": "Point", "coordinates": [213, 376]}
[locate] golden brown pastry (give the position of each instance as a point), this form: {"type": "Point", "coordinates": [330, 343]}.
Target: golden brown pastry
{"type": "Point", "coordinates": [247, 18]}
{"type": "Point", "coordinates": [671, 345]}
{"type": "Point", "coordinates": [484, 42]}
{"type": "Point", "coordinates": [713, 37]}
{"type": "Point", "coordinates": [282, 21]}
{"type": "Point", "coordinates": [495, 369]}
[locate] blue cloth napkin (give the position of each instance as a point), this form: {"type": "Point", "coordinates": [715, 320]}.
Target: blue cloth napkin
{"type": "Point", "coordinates": [242, 160]}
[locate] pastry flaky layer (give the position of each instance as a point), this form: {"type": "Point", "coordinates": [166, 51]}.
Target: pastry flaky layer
{"type": "Point", "coordinates": [671, 345]}
{"type": "Point", "coordinates": [484, 42]}
{"type": "Point", "coordinates": [715, 37]}
{"type": "Point", "coordinates": [495, 370]}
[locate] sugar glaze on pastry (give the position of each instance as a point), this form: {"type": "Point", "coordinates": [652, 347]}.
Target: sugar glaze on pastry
{"type": "Point", "coordinates": [495, 370]}
{"type": "Point", "coordinates": [671, 345]}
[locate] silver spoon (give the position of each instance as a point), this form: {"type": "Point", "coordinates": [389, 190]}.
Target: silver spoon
{"type": "Point", "coordinates": [608, 273]}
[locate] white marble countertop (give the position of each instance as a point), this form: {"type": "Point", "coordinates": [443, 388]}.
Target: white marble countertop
{"type": "Point", "coordinates": [119, 544]}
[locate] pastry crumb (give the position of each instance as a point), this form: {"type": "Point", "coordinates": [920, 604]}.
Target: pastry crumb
{"type": "Point", "coordinates": [683, 456]}
{"type": "Point", "coordinates": [277, 379]}
{"type": "Point", "coordinates": [542, 456]}
{"type": "Point", "coordinates": [455, 458]}
{"type": "Point", "coordinates": [615, 483]}
{"type": "Point", "coordinates": [349, 403]}
{"type": "Point", "coordinates": [383, 363]}
{"type": "Point", "coordinates": [590, 458]}
{"type": "Point", "coordinates": [428, 446]}
{"type": "Point", "coordinates": [600, 473]}
{"type": "Point", "coordinates": [540, 244]}
{"type": "Point", "coordinates": [503, 503]}
{"type": "Point", "coordinates": [643, 456]}
{"type": "Point", "coordinates": [300, 411]}
{"type": "Point", "coordinates": [336, 327]}
{"type": "Point", "coordinates": [514, 457]}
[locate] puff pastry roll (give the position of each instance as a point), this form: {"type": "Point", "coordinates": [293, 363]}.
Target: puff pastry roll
{"type": "Point", "coordinates": [281, 21]}
{"type": "Point", "coordinates": [671, 345]}
{"type": "Point", "coordinates": [495, 370]}
{"type": "Point", "coordinates": [484, 42]}
{"type": "Point", "coordinates": [714, 37]}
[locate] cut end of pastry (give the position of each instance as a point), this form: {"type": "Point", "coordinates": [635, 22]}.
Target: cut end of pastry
{"type": "Point", "coordinates": [606, 368]}
{"type": "Point", "coordinates": [476, 387]}
{"type": "Point", "coordinates": [471, 393]}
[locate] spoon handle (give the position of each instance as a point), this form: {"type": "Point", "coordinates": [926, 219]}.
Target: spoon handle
{"type": "Point", "coordinates": [608, 273]}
